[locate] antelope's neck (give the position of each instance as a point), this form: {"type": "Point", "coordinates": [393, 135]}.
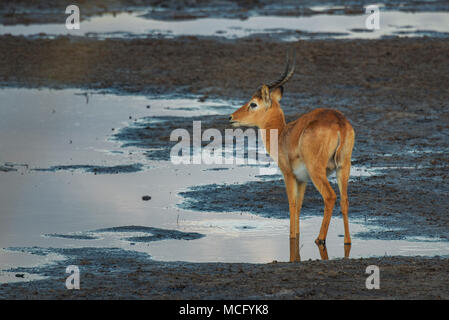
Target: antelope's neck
{"type": "Point", "coordinates": [272, 130]}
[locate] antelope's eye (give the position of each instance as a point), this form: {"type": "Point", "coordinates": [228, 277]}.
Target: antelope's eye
{"type": "Point", "coordinates": [253, 105]}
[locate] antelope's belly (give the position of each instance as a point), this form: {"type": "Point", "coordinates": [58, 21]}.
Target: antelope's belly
{"type": "Point", "coordinates": [300, 172]}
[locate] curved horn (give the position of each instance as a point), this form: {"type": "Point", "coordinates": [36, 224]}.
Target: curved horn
{"type": "Point", "coordinates": [288, 73]}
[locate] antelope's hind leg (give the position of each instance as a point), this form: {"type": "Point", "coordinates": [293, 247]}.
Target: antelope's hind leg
{"type": "Point", "coordinates": [342, 179]}
{"type": "Point", "coordinates": [324, 188]}
{"type": "Point", "coordinates": [318, 144]}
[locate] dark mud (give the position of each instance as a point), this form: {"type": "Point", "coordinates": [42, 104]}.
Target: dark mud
{"type": "Point", "coordinates": [153, 234]}
{"type": "Point", "coordinates": [7, 169]}
{"type": "Point", "coordinates": [94, 169]}
{"type": "Point", "coordinates": [9, 166]}
{"type": "Point", "coordinates": [72, 236]}
{"type": "Point", "coordinates": [394, 75]}
{"type": "Point", "coordinates": [111, 273]}
{"type": "Point", "coordinates": [427, 33]}
{"type": "Point", "coordinates": [153, 134]}
{"type": "Point", "coordinates": [42, 11]}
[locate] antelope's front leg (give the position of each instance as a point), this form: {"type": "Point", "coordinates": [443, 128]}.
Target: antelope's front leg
{"type": "Point", "coordinates": [292, 190]}
{"type": "Point", "coordinates": [294, 250]}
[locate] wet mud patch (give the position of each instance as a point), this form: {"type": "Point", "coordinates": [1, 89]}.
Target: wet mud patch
{"type": "Point", "coordinates": [145, 234]}
{"type": "Point", "coordinates": [95, 169]}
{"type": "Point", "coordinates": [7, 168]}
{"type": "Point", "coordinates": [152, 233]}
{"type": "Point", "coordinates": [72, 236]}
{"type": "Point", "coordinates": [410, 201]}
{"type": "Point", "coordinates": [12, 167]}
{"type": "Point", "coordinates": [267, 199]}
{"type": "Point", "coordinates": [216, 169]}
{"type": "Point", "coordinates": [152, 134]}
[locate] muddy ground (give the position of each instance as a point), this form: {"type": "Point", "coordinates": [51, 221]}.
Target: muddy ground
{"type": "Point", "coordinates": [394, 91]}
{"type": "Point", "coordinates": [118, 274]}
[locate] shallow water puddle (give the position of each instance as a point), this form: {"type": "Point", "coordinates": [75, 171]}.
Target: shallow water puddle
{"type": "Point", "coordinates": [11, 259]}
{"type": "Point", "coordinates": [52, 128]}
{"type": "Point", "coordinates": [44, 128]}
{"type": "Point", "coordinates": [264, 240]}
{"type": "Point", "coordinates": [392, 23]}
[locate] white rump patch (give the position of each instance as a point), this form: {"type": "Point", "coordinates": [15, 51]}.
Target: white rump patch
{"type": "Point", "coordinates": [301, 173]}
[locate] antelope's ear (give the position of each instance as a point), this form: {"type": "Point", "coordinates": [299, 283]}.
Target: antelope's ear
{"type": "Point", "coordinates": [276, 94]}
{"type": "Point", "coordinates": [265, 93]}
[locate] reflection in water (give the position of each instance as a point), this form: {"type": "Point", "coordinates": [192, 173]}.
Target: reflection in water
{"type": "Point", "coordinates": [295, 248]}
{"type": "Point", "coordinates": [321, 244]}
{"type": "Point", "coordinates": [347, 249]}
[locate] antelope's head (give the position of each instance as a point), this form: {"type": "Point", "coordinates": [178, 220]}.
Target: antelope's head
{"type": "Point", "coordinates": [266, 98]}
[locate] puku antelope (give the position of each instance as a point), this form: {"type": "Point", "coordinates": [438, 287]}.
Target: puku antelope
{"type": "Point", "coordinates": [309, 148]}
